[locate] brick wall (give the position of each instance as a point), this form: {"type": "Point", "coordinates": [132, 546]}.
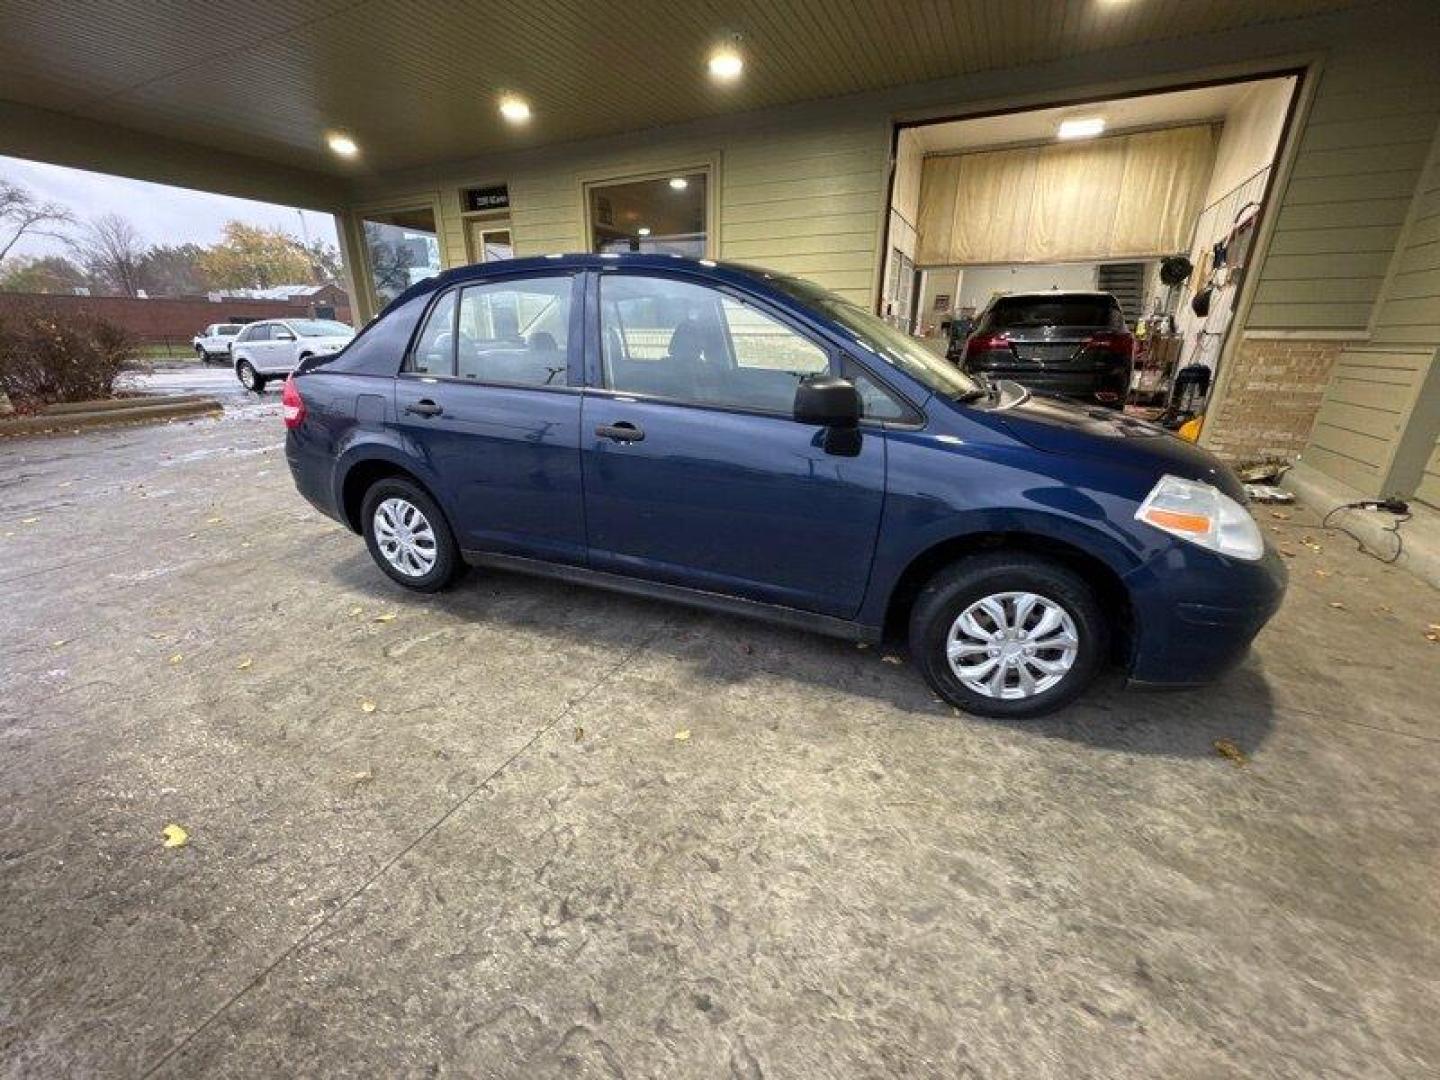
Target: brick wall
{"type": "Point", "coordinates": [1274, 391]}
{"type": "Point", "coordinates": [169, 320]}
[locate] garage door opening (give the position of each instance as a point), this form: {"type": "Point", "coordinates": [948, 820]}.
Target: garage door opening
{"type": "Point", "coordinates": [1093, 250]}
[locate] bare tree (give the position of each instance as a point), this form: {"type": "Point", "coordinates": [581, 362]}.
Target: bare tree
{"type": "Point", "coordinates": [22, 214]}
{"type": "Point", "coordinates": [113, 251]}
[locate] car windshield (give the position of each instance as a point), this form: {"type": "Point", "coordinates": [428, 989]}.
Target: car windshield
{"type": "Point", "coordinates": [893, 346]}
{"type": "Point", "coordinates": [320, 328]}
{"type": "Point", "coordinates": [1018, 312]}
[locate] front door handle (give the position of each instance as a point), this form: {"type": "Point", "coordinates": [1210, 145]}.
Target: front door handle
{"type": "Point", "coordinates": [424, 407]}
{"type": "Point", "coordinates": [621, 431]}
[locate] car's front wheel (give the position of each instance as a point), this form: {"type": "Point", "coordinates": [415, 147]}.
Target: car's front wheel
{"type": "Point", "coordinates": [251, 379]}
{"type": "Point", "coordinates": [408, 536]}
{"type": "Point", "coordinates": [1008, 634]}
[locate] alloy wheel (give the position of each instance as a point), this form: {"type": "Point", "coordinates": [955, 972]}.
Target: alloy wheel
{"type": "Point", "coordinates": [405, 537]}
{"type": "Point", "coordinates": [1012, 645]}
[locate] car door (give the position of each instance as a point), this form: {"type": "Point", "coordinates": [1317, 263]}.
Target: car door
{"type": "Point", "coordinates": [695, 471]}
{"type": "Point", "coordinates": [282, 349]}
{"type": "Point", "coordinates": [253, 348]}
{"type": "Point", "coordinates": [490, 396]}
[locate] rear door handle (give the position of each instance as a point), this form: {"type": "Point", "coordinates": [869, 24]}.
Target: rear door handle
{"type": "Point", "coordinates": [424, 407]}
{"type": "Point", "coordinates": [621, 431]}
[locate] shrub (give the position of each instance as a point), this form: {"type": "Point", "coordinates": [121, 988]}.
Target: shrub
{"type": "Point", "coordinates": [47, 357]}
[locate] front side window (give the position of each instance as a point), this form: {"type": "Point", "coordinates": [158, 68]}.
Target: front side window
{"type": "Point", "coordinates": [673, 339]}
{"type": "Point", "coordinates": [875, 335]}
{"type": "Point", "coordinates": [511, 333]}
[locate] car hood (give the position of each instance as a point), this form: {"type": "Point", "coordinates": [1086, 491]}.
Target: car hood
{"type": "Point", "coordinates": [329, 342]}
{"type": "Point", "coordinates": [1061, 427]}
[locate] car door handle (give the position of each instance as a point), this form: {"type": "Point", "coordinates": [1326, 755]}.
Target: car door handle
{"type": "Point", "coordinates": [621, 431]}
{"type": "Point", "coordinates": [424, 407]}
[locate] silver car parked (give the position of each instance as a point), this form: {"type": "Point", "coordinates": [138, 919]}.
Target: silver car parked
{"type": "Point", "coordinates": [272, 348]}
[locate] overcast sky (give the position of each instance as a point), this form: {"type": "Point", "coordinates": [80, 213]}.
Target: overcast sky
{"type": "Point", "coordinates": [164, 215]}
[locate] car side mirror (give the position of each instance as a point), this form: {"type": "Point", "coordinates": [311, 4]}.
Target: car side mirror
{"type": "Point", "coordinates": [828, 401]}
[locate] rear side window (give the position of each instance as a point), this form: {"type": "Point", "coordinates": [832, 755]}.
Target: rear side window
{"type": "Point", "coordinates": [435, 348]}
{"type": "Point", "coordinates": [257, 333]}
{"type": "Point", "coordinates": [515, 333]}
{"type": "Point", "coordinates": [227, 331]}
{"type": "Point", "coordinates": [1020, 312]}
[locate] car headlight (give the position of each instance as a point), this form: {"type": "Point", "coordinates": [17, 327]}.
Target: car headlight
{"type": "Point", "coordinates": [1204, 515]}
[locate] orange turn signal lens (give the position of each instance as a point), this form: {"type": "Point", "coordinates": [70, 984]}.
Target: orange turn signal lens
{"type": "Point", "coordinates": [1174, 519]}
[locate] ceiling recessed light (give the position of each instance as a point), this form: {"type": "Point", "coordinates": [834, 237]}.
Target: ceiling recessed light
{"type": "Point", "coordinates": [726, 63]}
{"type": "Point", "coordinates": [343, 145]}
{"type": "Point", "coordinates": [644, 230]}
{"type": "Point", "coordinates": [679, 183]}
{"type": "Point", "coordinates": [514, 109]}
{"type": "Point", "coordinates": [1084, 128]}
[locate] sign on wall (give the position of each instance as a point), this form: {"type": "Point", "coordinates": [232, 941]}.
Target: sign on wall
{"type": "Point", "coordinates": [495, 197]}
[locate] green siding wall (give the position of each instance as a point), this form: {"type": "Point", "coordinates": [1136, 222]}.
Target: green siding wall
{"type": "Point", "coordinates": [1359, 157]}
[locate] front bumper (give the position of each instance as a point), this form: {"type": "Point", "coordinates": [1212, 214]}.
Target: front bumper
{"type": "Point", "coordinates": [1197, 612]}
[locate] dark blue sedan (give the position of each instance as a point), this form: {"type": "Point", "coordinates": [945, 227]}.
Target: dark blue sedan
{"type": "Point", "coordinates": [747, 442]}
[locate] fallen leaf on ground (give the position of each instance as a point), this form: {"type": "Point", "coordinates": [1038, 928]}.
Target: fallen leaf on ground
{"type": "Point", "coordinates": [244, 665]}
{"type": "Point", "coordinates": [579, 733]}
{"type": "Point", "coordinates": [59, 642]}
{"type": "Point", "coordinates": [191, 536]}
{"type": "Point", "coordinates": [29, 521]}
{"type": "Point", "coordinates": [1337, 605]}
{"type": "Point", "coordinates": [215, 521]}
{"type": "Point", "coordinates": [177, 658]}
{"type": "Point", "coordinates": [862, 645]}
{"type": "Point", "coordinates": [1280, 515]}
{"type": "Point", "coordinates": [892, 660]}
{"type": "Point", "coordinates": [1323, 573]}
{"type": "Point", "coordinates": [389, 616]}
{"type": "Point", "coordinates": [1228, 750]}
{"type": "Point", "coordinates": [1433, 634]}
{"type": "Point", "coordinates": [747, 648]}
{"type": "Point", "coordinates": [1287, 553]}
{"type": "Point", "coordinates": [367, 706]}
{"type": "Point", "coordinates": [175, 836]}
{"type": "Point", "coordinates": [362, 777]}
{"type": "Point", "coordinates": [356, 611]}
{"type": "Point", "coordinates": [683, 735]}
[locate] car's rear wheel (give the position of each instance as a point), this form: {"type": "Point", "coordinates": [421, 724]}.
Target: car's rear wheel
{"type": "Point", "coordinates": [1008, 634]}
{"type": "Point", "coordinates": [408, 536]}
{"type": "Point", "coordinates": [251, 379]}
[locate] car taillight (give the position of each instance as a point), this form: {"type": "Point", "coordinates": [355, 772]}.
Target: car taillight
{"type": "Point", "coordinates": [1120, 344]}
{"type": "Point", "coordinates": [982, 343]}
{"type": "Point", "coordinates": [292, 405]}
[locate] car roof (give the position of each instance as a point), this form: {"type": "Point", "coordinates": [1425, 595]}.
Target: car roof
{"type": "Point", "coordinates": [1053, 294]}
{"type": "Point", "coordinates": [572, 261]}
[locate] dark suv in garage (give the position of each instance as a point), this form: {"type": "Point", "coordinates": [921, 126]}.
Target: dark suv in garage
{"type": "Point", "coordinates": [747, 442]}
{"type": "Point", "coordinates": [1074, 344]}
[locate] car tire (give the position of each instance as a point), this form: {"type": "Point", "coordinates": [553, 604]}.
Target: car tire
{"type": "Point", "coordinates": [404, 504]}
{"type": "Point", "coordinates": [249, 378]}
{"type": "Point", "coordinates": [1009, 618]}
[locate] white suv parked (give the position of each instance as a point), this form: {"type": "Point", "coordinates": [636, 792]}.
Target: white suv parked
{"type": "Point", "coordinates": [213, 343]}
{"type": "Point", "coordinates": [272, 348]}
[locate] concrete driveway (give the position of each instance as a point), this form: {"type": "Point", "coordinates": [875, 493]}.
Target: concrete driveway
{"type": "Point", "coordinates": [464, 834]}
